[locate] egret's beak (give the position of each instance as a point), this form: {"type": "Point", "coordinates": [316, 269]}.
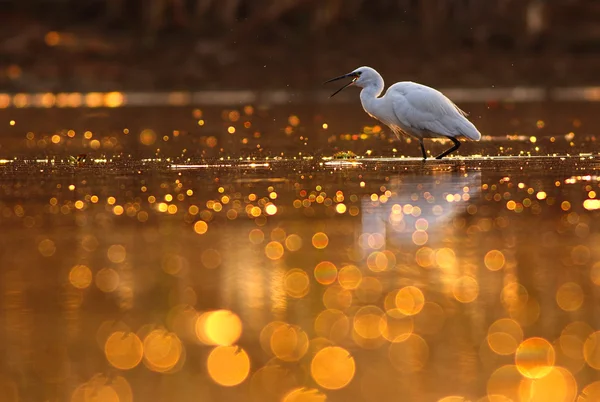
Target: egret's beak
{"type": "Point", "coordinates": [341, 77]}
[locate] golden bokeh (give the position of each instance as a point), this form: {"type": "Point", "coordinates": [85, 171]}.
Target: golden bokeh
{"type": "Point", "coordinates": [332, 367]}
{"type": "Point", "coordinates": [465, 289]}
{"type": "Point", "coordinates": [504, 336]}
{"type": "Point", "coordinates": [278, 234]}
{"type": "Point", "coordinates": [289, 343]}
{"type": "Point", "coordinates": [148, 137]}
{"type": "Point", "coordinates": [293, 242]}
{"type": "Point", "coordinates": [107, 328]}
{"type": "Point", "coordinates": [573, 337]}
{"type": "Point", "coordinates": [47, 248]}
{"type": "Point", "coordinates": [349, 277]}
{"type": "Point", "coordinates": [436, 290]}
{"type": "Point", "coordinates": [558, 385]}
{"type": "Point", "coordinates": [274, 250]}
{"type": "Point", "coordinates": [123, 350]}
{"type": "Point", "coordinates": [107, 280]}
{"type": "Point", "coordinates": [445, 258]}
{"type": "Point", "coordinates": [410, 300]}
{"type": "Point", "coordinates": [379, 261]}
{"type": "Point", "coordinates": [320, 240]}
{"type": "Point", "coordinates": [425, 257]}
{"type": "Point", "coordinates": [494, 260]}
{"type": "Point", "coordinates": [569, 296]}
{"type": "Point", "coordinates": [409, 355]}
{"type": "Point", "coordinates": [162, 350]}
{"type": "Point", "coordinates": [228, 365]}
{"type": "Point", "coordinates": [398, 327]}
{"type": "Point", "coordinates": [174, 264]}
{"type": "Point", "coordinates": [535, 357]}
{"type": "Point", "coordinates": [505, 382]}
{"type": "Point", "coordinates": [332, 324]}
{"type": "Point", "coordinates": [116, 253]}
{"type": "Point", "coordinates": [200, 227]}
{"type": "Point", "coordinates": [266, 333]}
{"type": "Point", "coordinates": [256, 236]}
{"type": "Point", "coordinates": [369, 322]}
{"type": "Point", "coordinates": [296, 283]}
{"type": "Point", "coordinates": [219, 327]}
{"type": "Point", "coordinates": [325, 273]}
{"type": "Point", "coordinates": [80, 276]}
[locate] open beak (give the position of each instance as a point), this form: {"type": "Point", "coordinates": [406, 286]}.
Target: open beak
{"type": "Point", "coordinates": [354, 77]}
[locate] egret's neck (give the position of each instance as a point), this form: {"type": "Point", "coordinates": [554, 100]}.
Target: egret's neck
{"type": "Point", "coordinates": [369, 96]}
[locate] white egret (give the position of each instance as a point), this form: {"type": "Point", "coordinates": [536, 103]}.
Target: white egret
{"type": "Point", "coordinates": [412, 109]}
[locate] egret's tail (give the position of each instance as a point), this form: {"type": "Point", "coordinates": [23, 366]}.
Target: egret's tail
{"type": "Point", "coordinates": [468, 129]}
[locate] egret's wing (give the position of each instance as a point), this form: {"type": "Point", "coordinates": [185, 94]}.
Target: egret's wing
{"type": "Point", "coordinates": [423, 108]}
{"type": "Point", "coordinates": [459, 109]}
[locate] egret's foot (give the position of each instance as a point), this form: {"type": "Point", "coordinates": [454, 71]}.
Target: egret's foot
{"type": "Point", "coordinates": [454, 148]}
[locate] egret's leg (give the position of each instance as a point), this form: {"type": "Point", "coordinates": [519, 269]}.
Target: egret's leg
{"type": "Point", "coordinates": [454, 148]}
{"type": "Point", "coordinates": [423, 149]}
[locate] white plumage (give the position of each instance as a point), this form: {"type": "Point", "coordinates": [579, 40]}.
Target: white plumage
{"type": "Point", "coordinates": [412, 109]}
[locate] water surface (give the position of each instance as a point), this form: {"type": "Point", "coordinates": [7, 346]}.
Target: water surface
{"type": "Point", "coordinates": [299, 280]}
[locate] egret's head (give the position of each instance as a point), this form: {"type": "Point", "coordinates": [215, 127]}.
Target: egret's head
{"type": "Point", "coordinates": [361, 77]}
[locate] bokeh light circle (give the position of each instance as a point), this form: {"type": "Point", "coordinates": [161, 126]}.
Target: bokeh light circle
{"type": "Point", "coordinates": [325, 273]}
{"type": "Point", "coordinates": [219, 327]}
{"type": "Point", "coordinates": [535, 357]}
{"type": "Point", "coordinates": [228, 365]}
{"type": "Point", "coordinates": [573, 337]}
{"type": "Point", "coordinates": [289, 343]}
{"type": "Point", "coordinates": [465, 289]}
{"type": "Point", "coordinates": [349, 277]}
{"type": "Point", "coordinates": [494, 260]}
{"type": "Point", "coordinates": [505, 382]}
{"type": "Point", "coordinates": [162, 350]}
{"type": "Point", "coordinates": [274, 250]}
{"type": "Point", "coordinates": [123, 350]}
{"type": "Point", "coordinates": [369, 322]}
{"type": "Point", "coordinates": [80, 276]}
{"type": "Point", "coordinates": [504, 336]}
{"type": "Point", "coordinates": [410, 300]}
{"type": "Point", "coordinates": [558, 385]}
{"type": "Point", "coordinates": [296, 283]}
{"type": "Point", "coordinates": [320, 240]}
{"type": "Point", "coordinates": [332, 367]}
{"type": "Point", "coordinates": [569, 296]}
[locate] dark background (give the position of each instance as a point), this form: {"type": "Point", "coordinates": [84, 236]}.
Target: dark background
{"type": "Point", "coordinates": [104, 45]}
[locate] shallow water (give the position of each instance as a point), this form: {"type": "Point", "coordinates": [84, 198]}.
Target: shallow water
{"type": "Point", "coordinates": [298, 280]}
